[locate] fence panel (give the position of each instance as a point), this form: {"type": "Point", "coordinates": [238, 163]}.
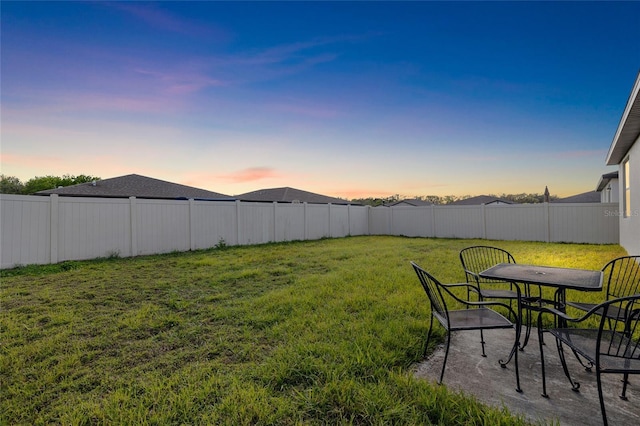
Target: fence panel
{"type": "Point", "coordinates": [359, 220]}
{"type": "Point", "coordinates": [290, 221]}
{"type": "Point", "coordinates": [526, 222]}
{"type": "Point", "coordinates": [256, 223]}
{"type": "Point", "coordinates": [339, 220]}
{"type": "Point", "coordinates": [380, 221]}
{"type": "Point", "coordinates": [213, 222]}
{"type": "Point", "coordinates": [162, 226]}
{"type": "Point", "coordinates": [412, 221]}
{"type": "Point", "coordinates": [584, 223]}
{"type": "Point", "coordinates": [317, 221]}
{"type": "Point", "coordinates": [92, 227]}
{"type": "Point", "coordinates": [458, 221]}
{"type": "Point", "coordinates": [25, 230]}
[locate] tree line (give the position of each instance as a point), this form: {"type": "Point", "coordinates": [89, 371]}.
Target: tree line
{"type": "Point", "coordinates": [522, 198]}
{"type": "Point", "coordinates": [13, 185]}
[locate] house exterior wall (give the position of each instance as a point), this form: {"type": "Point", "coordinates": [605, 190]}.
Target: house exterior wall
{"type": "Point", "coordinates": [630, 226]}
{"type": "Point", "coordinates": [611, 192]}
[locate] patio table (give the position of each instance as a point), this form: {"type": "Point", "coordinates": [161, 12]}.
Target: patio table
{"type": "Point", "coordinates": [548, 276]}
{"type": "Point", "coordinates": [561, 279]}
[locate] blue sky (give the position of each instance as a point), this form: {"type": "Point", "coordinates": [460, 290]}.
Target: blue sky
{"type": "Point", "coordinates": [345, 99]}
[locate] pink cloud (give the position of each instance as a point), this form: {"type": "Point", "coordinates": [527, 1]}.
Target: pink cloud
{"type": "Point", "coordinates": [251, 174]}
{"type": "Point", "coordinates": [183, 82]}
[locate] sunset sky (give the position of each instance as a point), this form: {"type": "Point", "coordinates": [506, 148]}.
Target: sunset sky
{"type": "Point", "coordinates": [344, 99]}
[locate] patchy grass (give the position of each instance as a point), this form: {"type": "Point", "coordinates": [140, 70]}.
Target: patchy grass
{"type": "Point", "coordinates": [319, 332]}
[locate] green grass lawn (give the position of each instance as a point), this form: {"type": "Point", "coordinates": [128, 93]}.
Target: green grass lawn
{"type": "Point", "coordinates": [318, 332]}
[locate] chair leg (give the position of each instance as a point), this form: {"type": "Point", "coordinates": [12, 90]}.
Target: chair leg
{"type": "Point", "coordinates": [515, 352]}
{"type": "Point", "coordinates": [446, 355]}
{"type": "Point", "coordinates": [575, 386]}
{"type": "Point", "coordinates": [426, 344]}
{"type": "Point", "coordinates": [527, 332]}
{"type": "Point", "coordinates": [602, 409]}
{"type": "Point", "coordinates": [541, 344]}
{"type": "Point", "coordinates": [625, 382]}
{"type": "Point", "coordinates": [482, 343]}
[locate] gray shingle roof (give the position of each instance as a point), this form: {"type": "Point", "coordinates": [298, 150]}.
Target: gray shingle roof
{"type": "Point", "coordinates": [481, 199]}
{"type": "Point", "coordinates": [628, 129]}
{"type": "Point", "coordinates": [134, 186]}
{"type": "Point", "coordinates": [605, 179]}
{"type": "Point", "coordinates": [410, 202]}
{"type": "Point", "coordinates": [585, 197]}
{"type": "Point", "coordinates": [289, 195]}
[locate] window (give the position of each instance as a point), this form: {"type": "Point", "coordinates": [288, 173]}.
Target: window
{"type": "Point", "coordinates": [626, 185]}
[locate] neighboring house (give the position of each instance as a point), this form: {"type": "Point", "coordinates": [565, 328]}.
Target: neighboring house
{"type": "Point", "coordinates": [585, 197]}
{"type": "Point", "coordinates": [608, 188]}
{"type": "Point", "coordinates": [625, 153]}
{"type": "Point", "coordinates": [481, 199]}
{"type": "Point", "coordinates": [410, 202]}
{"type": "Point", "coordinates": [289, 195]}
{"type": "Point", "coordinates": [134, 186]}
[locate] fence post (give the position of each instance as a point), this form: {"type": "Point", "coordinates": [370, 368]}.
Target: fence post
{"type": "Point", "coordinates": [483, 207]}
{"type": "Point", "coordinates": [391, 221]}
{"type": "Point", "coordinates": [547, 221]}
{"type": "Point", "coordinates": [329, 219]}
{"type": "Point", "coordinates": [306, 232]}
{"type": "Point", "coordinates": [192, 228]}
{"type": "Point", "coordinates": [348, 219]}
{"type": "Point", "coordinates": [433, 220]}
{"type": "Point", "coordinates": [133, 207]}
{"type": "Point", "coordinates": [275, 214]}
{"type": "Point", "coordinates": [54, 224]}
{"type": "Point", "coordinates": [238, 222]}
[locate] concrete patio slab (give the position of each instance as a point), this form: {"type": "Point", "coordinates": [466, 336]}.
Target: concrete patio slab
{"type": "Point", "coordinates": [483, 378]}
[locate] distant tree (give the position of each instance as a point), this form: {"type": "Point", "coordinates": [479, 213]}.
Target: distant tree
{"type": "Point", "coordinates": [10, 185]}
{"type": "Point", "coordinates": [433, 199]}
{"type": "Point", "coordinates": [42, 183]}
{"type": "Point", "coordinates": [448, 199]}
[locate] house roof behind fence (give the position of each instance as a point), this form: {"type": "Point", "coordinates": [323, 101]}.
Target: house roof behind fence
{"type": "Point", "coordinates": [585, 197]}
{"type": "Point", "coordinates": [605, 179]}
{"type": "Point", "coordinates": [481, 199]}
{"type": "Point", "coordinates": [289, 195]}
{"type": "Point", "coordinates": [134, 186]}
{"type": "Point", "coordinates": [410, 202]}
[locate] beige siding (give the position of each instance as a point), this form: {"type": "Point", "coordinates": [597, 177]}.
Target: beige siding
{"type": "Point", "coordinates": [630, 226]}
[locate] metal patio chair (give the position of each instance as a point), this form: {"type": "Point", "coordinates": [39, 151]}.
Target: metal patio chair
{"type": "Point", "coordinates": [621, 279]}
{"type": "Point", "coordinates": [477, 316]}
{"type": "Point", "coordinates": [612, 347]}
{"type": "Point", "coordinates": [476, 259]}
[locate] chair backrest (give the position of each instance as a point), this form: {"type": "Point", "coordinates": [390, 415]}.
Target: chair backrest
{"type": "Point", "coordinates": [476, 259]}
{"type": "Point", "coordinates": [622, 277]}
{"type": "Point", "coordinates": [432, 288]}
{"type": "Point", "coordinates": [619, 335]}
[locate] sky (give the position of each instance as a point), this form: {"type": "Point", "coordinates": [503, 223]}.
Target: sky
{"type": "Point", "coordinates": [346, 99]}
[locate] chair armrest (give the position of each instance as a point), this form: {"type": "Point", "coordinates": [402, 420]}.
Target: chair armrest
{"type": "Point", "coordinates": [447, 287]}
{"type": "Point", "coordinates": [631, 300]}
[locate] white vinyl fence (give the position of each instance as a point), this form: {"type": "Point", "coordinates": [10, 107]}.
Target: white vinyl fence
{"type": "Point", "coordinates": [41, 230]}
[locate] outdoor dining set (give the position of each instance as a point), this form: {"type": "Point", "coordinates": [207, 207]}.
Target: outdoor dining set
{"type": "Point", "coordinates": [502, 294]}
